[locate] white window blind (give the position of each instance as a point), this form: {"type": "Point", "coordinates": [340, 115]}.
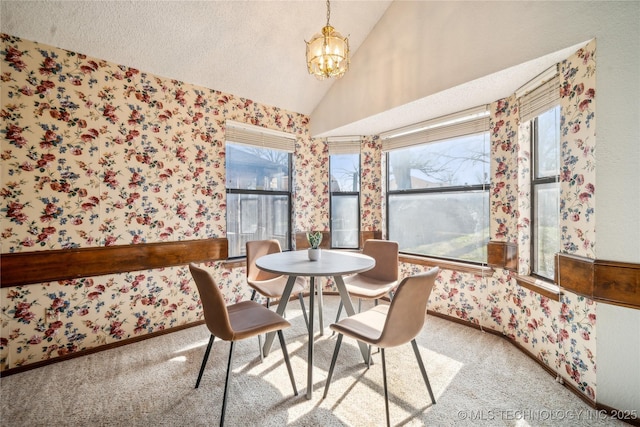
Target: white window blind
{"type": "Point", "coordinates": [257, 136]}
{"type": "Point", "coordinates": [539, 95]}
{"type": "Point", "coordinates": [466, 122]}
{"type": "Point", "coordinates": [344, 145]}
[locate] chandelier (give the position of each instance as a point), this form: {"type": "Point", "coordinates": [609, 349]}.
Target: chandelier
{"type": "Point", "coordinates": [328, 52]}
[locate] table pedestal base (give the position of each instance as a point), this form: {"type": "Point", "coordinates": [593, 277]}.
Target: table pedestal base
{"type": "Point", "coordinates": [282, 305]}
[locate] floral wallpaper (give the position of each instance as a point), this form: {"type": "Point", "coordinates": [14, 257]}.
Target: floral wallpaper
{"type": "Point", "coordinates": [577, 319]}
{"type": "Point", "coordinates": [577, 171]}
{"type": "Point", "coordinates": [98, 154]}
{"type": "Point", "coordinates": [311, 185]}
{"type": "Point", "coordinates": [504, 164]}
{"type": "Point", "coordinates": [560, 334]}
{"type": "Point", "coordinates": [371, 196]}
{"type": "Point", "coordinates": [524, 201]}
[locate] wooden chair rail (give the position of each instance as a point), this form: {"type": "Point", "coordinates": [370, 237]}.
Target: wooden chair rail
{"type": "Point", "coordinates": [610, 282]}
{"type": "Point", "coordinates": [26, 268]}
{"type": "Point", "coordinates": [502, 255]}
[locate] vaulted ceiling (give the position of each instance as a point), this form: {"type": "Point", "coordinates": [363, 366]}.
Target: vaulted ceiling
{"type": "Point", "coordinates": [253, 49]}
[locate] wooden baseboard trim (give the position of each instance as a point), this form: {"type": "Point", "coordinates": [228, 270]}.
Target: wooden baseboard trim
{"type": "Point", "coordinates": [624, 416]}
{"type": "Point", "coordinates": [553, 373]}
{"type": "Point", "coordinates": [93, 350]}
{"type": "Point", "coordinates": [464, 323]}
{"type": "Point", "coordinates": [613, 412]}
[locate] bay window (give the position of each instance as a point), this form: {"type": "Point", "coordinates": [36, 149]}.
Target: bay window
{"type": "Point", "coordinates": [438, 187]}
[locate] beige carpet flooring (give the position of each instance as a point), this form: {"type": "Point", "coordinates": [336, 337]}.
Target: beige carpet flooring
{"type": "Point", "coordinates": [478, 380]}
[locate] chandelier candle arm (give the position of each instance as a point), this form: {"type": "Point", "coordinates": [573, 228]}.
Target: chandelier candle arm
{"type": "Point", "coordinates": [328, 52]}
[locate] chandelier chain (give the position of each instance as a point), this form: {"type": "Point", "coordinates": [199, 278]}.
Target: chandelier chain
{"type": "Point", "coordinates": [328, 12]}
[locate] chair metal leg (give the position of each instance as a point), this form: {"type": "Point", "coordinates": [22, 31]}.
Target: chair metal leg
{"type": "Point", "coordinates": [424, 372]}
{"type": "Point", "coordinates": [260, 340]}
{"type": "Point", "coordinates": [304, 310]}
{"type": "Point", "coordinates": [204, 360]}
{"type": "Point", "coordinates": [375, 303]}
{"type": "Point", "coordinates": [333, 364]}
{"type": "Point", "coordinates": [369, 358]}
{"type": "Point", "coordinates": [226, 384]}
{"type": "Point", "coordinates": [253, 297]}
{"type": "Point", "coordinates": [386, 394]}
{"type": "Point", "coordinates": [283, 345]}
{"type": "Point", "coordinates": [337, 316]}
{"type": "Point", "coordinates": [339, 311]}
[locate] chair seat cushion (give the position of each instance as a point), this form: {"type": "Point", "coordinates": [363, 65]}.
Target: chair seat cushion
{"type": "Point", "coordinates": [248, 318]}
{"type": "Point", "coordinates": [273, 288]}
{"type": "Point", "coordinates": [366, 326]}
{"type": "Point", "coordinates": [360, 286]}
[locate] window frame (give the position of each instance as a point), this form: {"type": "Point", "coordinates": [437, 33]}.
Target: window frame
{"type": "Point", "coordinates": [483, 187]}
{"type": "Point", "coordinates": [339, 194]}
{"type": "Point", "coordinates": [536, 181]}
{"type": "Point", "coordinates": [246, 135]}
{"type": "Point", "coordinates": [289, 238]}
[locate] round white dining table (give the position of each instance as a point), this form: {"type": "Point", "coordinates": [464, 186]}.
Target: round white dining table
{"type": "Point", "coordinates": [331, 263]}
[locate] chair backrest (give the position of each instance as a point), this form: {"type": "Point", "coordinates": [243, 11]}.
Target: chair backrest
{"type": "Point", "coordinates": [406, 315]}
{"type": "Point", "coordinates": [214, 306]}
{"type": "Point", "coordinates": [256, 249]}
{"type": "Point", "coordinates": [385, 252]}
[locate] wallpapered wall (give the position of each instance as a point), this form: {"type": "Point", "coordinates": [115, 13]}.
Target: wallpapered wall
{"type": "Point", "coordinates": [99, 154]}
{"type": "Point", "coordinates": [560, 334]}
{"type": "Point", "coordinates": [96, 154]}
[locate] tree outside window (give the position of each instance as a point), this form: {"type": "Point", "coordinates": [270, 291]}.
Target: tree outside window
{"type": "Point", "coordinates": [258, 196]}
{"type": "Point", "coordinates": [438, 198]}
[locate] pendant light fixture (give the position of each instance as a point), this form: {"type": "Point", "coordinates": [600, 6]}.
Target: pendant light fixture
{"type": "Point", "coordinates": [328, 52]}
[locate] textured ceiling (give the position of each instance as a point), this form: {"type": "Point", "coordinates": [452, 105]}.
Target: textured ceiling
{"type": "Point", "coordinates": [252, 49]}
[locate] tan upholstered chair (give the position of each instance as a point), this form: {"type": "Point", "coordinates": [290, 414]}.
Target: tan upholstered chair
{"type": "Point", "coordinates": [380, 280]}
{"type": "Point", "coordinates": [391, 325]}
{"type": "Point", "coordinates": [235, 322]}
{"type": "Point", "coordinates": [267, 284]}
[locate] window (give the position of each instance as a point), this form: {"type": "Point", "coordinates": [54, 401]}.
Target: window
{"type": "Point", "coordinates": [438, 188]}
{"type": "Point", "coordinates": [539, 110]}
{"type": "Point", "coordinates": [545, 192]}
{"type": "Point", "coordinates": [344, 172]}
{"type": "Point", "coordinates": [258, 182]}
